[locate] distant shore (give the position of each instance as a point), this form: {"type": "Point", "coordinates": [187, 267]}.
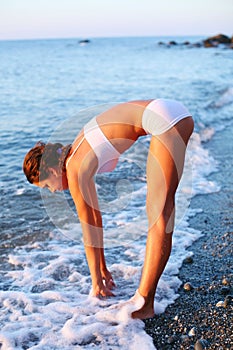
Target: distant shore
{"type": "Point", "coordinates": [201, 317]}
{"type": "Point", "coordinates": [219, 40]}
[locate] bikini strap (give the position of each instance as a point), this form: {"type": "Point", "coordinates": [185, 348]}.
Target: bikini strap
{"type": "Point", "coordinates": [73, 153]}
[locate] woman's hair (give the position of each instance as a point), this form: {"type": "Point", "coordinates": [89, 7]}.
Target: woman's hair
{"type": "Point", "coordinates": [42, 157]}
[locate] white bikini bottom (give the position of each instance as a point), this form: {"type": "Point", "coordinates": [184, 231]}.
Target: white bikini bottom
{"type": "Point", "coordinates": [161, 115]}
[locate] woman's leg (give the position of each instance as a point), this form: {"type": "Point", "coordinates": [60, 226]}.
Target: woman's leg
{"type": "Point", "coordinates": [164, 169]}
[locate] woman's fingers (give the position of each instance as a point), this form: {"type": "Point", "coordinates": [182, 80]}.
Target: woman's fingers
{"type": "Point", "coordinates": [110, 283]}
{"type": "Point", "coordinates": [106, 293]}
{"type": "Point", "coordinates": [101, 292]}
{"type": "Point", "coordinates": [108, 280]}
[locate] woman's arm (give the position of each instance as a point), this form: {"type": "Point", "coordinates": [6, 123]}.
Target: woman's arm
{"type": "Point", "coordinates": [84, 195]}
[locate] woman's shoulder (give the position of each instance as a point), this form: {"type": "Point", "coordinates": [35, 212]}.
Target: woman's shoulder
{"type": "Point", "coordinates": [82, 161]}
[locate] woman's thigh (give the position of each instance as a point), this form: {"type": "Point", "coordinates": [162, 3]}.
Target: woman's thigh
{"type": "Point", "coordinates": [164, 169]}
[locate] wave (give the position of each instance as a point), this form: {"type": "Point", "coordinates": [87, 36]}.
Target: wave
{"type": "Point", "coordinates": [226, 97]}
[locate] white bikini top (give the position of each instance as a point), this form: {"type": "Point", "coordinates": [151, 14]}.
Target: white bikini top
{"type": "Point", "coordinates": [105, 152]}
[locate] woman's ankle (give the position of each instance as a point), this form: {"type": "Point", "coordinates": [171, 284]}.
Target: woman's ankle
{"type": "Point", "coordinates": [149, 298]}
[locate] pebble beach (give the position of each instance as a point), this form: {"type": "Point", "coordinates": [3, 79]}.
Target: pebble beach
{"type": "Point", "coordinates": [201, 318]}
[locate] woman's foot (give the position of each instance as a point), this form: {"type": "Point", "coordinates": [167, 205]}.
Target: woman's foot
{"type": "Point", "coordinates": [143, 313]}
{"type": "Point", "coordinates": [144, 309]}
{"type": "Point", "coordinates": [135, 307]}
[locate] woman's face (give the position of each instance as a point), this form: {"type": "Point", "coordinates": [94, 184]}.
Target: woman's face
{"type": "Point", "coordinates": [55, 181]}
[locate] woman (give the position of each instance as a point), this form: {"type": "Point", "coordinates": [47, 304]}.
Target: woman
{"type": "Point", "coordinates": [97, 149]}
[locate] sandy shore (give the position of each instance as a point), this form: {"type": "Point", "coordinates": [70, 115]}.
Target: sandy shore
{"type": "Point", "coordinates": [201, 318]}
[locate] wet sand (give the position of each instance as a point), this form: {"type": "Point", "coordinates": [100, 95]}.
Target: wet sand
{"type": "Point", "coordinates": [201, 318]}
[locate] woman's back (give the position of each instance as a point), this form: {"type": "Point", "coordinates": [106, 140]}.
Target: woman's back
{"type": "Point", "coordinates": [110, 134]}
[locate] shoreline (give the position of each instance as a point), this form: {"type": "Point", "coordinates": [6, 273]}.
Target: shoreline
{"type": "Point", "coordinates": [194, 321]}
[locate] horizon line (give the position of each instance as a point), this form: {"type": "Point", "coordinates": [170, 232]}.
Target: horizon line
{"type": "Point", "coordinates": [110, 37]}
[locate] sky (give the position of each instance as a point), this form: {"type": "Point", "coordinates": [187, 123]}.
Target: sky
{"type": "Point", "coordinates": [36, 19]}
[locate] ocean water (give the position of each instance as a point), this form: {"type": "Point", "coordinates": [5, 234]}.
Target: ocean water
{"type": "Point", "coordinates": [48, 90]}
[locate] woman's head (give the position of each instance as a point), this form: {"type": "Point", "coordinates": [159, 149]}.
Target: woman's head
{"type": "Point", "coordinates": [44, 162]}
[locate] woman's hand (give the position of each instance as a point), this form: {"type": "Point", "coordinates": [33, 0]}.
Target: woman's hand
{"type": "Point", "coordinates": [103, 287]}
{"type": "Point", "coordinates": [101, 290]}
{"type": "Point", "coordinates": [108, 280]}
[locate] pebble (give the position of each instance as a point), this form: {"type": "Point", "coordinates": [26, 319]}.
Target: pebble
{"type": "Point", "coordinates": [172, 339]}
{"type": "Point", "coordinates": [201, 344]}
{"type": "Point", "coordinates": [220, 303]}
{"type": "Point", "coordinates": [225, 281]}
{"type": "Point", "coordinates": [225, 290]}
{"type": "Point", "coordinates": [188, 260]}
{"type": "Point", "coordinates": [228, 300]}
{"type": "Point", "coordinates": [184, 338]}
{"type": "Point", "coordinates": [188, 286]}
{"type": "Point", "coordinates": [192, 332]}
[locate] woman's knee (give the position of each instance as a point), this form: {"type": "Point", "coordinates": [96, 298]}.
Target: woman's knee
{"type": "Point", "coordinates": [164, 209]}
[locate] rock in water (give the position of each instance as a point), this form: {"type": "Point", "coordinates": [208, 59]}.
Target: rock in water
{"type": "Point", "coordinates": [172, 43]}
{"type": "Point", "coordinates": [215, 40]}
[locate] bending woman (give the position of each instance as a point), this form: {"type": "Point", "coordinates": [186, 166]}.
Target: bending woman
{"type": "Point", "coordinates": [97, 149]}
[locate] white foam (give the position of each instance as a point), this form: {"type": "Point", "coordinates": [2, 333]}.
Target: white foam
{"type": "Point", "coordinates": [225, 98]}
{"type": "Point", "coordinates": [203, 164]}
{"type": "Point", "coordinates": [64, 317]}
{"type": "Point", "coordinates": [57, 309]}
{"type": "Point", "coordinates": [20, 191]}
{"type": "Point", "coordinates": [206, 134]}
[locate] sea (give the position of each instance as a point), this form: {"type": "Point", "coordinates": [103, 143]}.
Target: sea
{"type": "Point", "coordinates": [48, 90]}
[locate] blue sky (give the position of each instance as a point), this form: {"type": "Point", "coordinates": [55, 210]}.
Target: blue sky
{"type": "Point", "coordinates": [26, 19]}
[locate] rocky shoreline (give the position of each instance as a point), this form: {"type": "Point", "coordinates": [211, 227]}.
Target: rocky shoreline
{"type": "Point", "coordinates": [201, 318]}
{"type": "Point", "coordinates": [219, 40]}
